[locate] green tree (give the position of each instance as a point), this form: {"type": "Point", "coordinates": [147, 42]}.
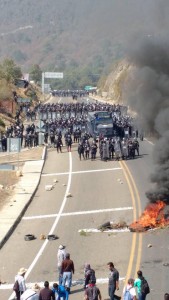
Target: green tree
{"type": "Point", "coordinates": [10, 71]}
{"type": "Point", "coordinates": [36, 73]}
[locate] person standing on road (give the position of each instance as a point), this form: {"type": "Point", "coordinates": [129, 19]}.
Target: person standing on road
{"type": "Point", "coordinates": [81, 150]}
{"type": "Point", "coordinates": [61, 255]}
{"type": "Point", "coordinates": [113, 281]}
{"type": "Point", "coordinates": [129, 290]}
{"type": "Point", "coordinates": [21, 283]}
{"type": "Point", "coordinates": [67, 270]}
{"type": "Point", "coordinates": [46, 293]}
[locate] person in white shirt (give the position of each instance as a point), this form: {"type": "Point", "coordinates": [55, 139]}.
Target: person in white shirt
{"type": "Point", "coordinates": [21, 282]}
{"type": "Point", "coordinates": [61, 255]}
{"type": "Point", "coordinates": [31, 293]}
{"type": "Point", "coordinates": [130, 288]}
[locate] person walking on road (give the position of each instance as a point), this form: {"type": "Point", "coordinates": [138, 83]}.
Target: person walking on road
{"type": "Point", "coordinates": [129, 290]}
{"type": "Point", "coordinates": [61, 255]}
{"type": "Point", "coordinates": [19, 278]}
{"type": "Point", "coordinates": [113, 283]}
{"type": "Point", "coordinates": [67, 270]}
{"type": "Point", "coordinates": [46, 293]}
{"type": "Point", "coordinates": [142, 286]}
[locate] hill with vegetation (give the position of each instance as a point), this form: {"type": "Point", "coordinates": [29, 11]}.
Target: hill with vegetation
{"type": "Point", "coordinates": [80, 38]}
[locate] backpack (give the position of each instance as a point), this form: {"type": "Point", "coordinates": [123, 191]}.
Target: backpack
{"type": "Point", "coordinates": [16, 286]}
{"type": "Point", "coordinates": [127, 295]}
{"type": "Point", "coordinates": [144, 287]}
{"type": "Point", "coordinates": [92, 276]}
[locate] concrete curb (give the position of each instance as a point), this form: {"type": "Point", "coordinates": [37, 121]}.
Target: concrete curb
{"type": "Point", "coordinates": [23, 208]}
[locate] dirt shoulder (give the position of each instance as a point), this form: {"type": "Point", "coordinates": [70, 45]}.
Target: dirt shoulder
{"type": "Point", "coordinates": [9, 178]}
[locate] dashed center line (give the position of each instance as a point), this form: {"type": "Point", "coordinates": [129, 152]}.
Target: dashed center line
{"type": "Point", "coordinates": [79, 213]}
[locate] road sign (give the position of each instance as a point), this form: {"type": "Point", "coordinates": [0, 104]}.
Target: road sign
{"type": "Point", "coordinates": [53, 75]}
{"type": "Point", "coordinates": [90, 88]}
{"type": "Point", "coordinates": [13, 144]}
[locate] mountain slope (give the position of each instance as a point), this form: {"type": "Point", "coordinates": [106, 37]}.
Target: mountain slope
{"type": "Point", "coordinates": [54, 33]}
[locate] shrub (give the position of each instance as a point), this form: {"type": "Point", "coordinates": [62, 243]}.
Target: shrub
{"type": "Point", "coordinates": [2, 124]}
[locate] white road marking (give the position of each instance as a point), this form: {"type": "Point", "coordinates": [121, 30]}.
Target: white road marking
{"type": "Point", "coordinates": [125, 229]}
{"type": "Point", "coordinates": [54, 224]}
{"type": "Point", "coordinates": [149, 142]}
{"type": "Point", "coordinates": [81, 172]}
{"type": "Point", "coordinates": [41, 284]}
{"type": "Point", "coordinates": [79, 213]}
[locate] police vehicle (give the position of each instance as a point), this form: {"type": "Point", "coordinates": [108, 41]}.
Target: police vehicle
{"type": "Point", "coordinates": [100, 123]}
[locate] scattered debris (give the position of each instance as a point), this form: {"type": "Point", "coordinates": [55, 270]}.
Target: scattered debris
{"type": "Point", "coordinates": [48, 187]}
{"type": "Point", "coordinates": [2, 282]}
{"type": "Point", "coordinates": [120, 181]}
{"type": "Point", "coordinates": [29, 237]}
{"type": "Point", "coordinates": [64, 184]}
{"type": "Point", "coordinates": [166, 264]}
{"type": "Point", "coordinates": [83, 233]}
{"type": "Point", "coordinates": [52, 237]}
{"type": "Point", "coordinates": [104, 226]}
{"type": "Point", "coordinates": [42, 237]}
{"type": "Point", "coordinates": [68, 195]}
{"type": "Point", "coordinates": [112, 225]}
{"type": "Point", "coordinates": [149, 245]}
{"type": "Point", "coordinates": [19, 173]}
{"type": "Point", "coordinates": [12, 187]}
{"type": "Point", "coordinates": [55, 180]}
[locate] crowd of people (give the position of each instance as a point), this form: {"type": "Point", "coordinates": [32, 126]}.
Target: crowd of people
{"type": "Point", "coordinates": [71, 93]}
{"type": "Point", "coordinates": [69, 119]}
{"type": "Point", "coordinates": [109, 149]}
{"type": "Point", "coordinates": [135, 289]}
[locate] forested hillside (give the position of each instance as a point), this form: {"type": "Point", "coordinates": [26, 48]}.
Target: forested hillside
{"type": "Point", "coordinates": [60, 34]}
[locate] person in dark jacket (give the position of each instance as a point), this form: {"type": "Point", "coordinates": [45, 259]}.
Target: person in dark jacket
{"type": "Point", "coordinates": [46, 293]}
{"type": "Point", "coordinates": [67, 270]}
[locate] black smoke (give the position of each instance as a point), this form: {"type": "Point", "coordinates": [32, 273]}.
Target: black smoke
{"type": "Point", "coordinates": [147, 92]}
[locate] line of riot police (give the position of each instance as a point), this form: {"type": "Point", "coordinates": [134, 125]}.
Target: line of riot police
{"type": "Point", "coordinates": [109, 149]}
{"type": "Point", "coordinates": [117, 149]}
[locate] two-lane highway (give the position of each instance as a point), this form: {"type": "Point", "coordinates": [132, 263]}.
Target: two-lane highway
{"type": "Point", "coordinates": [101, 191]}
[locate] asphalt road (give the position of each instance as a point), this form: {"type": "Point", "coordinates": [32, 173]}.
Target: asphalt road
{"type": "Point", "coordinates": [101, 191]}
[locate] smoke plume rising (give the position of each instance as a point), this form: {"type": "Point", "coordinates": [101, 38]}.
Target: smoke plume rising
{"type": "Point", "coordinates": [147, 92]}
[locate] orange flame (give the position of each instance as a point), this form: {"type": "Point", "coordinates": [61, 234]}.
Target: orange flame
{"type": "Point", "coordinates": [152, 217]}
